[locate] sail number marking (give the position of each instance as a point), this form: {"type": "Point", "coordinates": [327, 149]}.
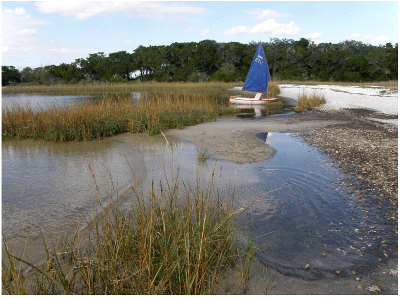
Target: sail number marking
{"type": "Point", "coordinates": [259, 59]}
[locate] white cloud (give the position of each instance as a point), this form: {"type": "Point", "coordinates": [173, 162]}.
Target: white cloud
{"type": "Point", "coordinates": [204, 32]}
{"type": "Point", "coordinates": [313, 35]}
{"type": "Point", "coordinates": [267, 13]}
{"type": "Point", "coordinates": [273, 28]}
{"type": "Point", "coordinates": [269, 26]}
{"type": "Point", "coordinates": [201, 32]}
{"type": "Point", "coordinates": [354, 36]}
{"type": "Point", "coordinates": [367, 38]}
{"type": "Point", "coordinates": [17, 22]}
{"type": "Point", "coordinates": [237, 30]}
{"type": "Point", "coordinates": [127, 41]}
{"type": "Point", "coordinates": [16, 11]}
{"type": "Point", "coordinates": [26, 32]}
{"type": "Point", "coordinates": [87, 9]}
{"type": "Point", "coordinates": [20, 34]}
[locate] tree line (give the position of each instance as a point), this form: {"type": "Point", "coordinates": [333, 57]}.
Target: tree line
{"type": "Point", "coordinates": [208, 60]}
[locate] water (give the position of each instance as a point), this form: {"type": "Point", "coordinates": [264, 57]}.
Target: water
{"type": "Point", "coordinates": [36, 100]}
{"type": "Point", "coordinates": [257, 111]}
{"type": "Point", "coordinates": [306, 212]}
{"type": "Point", "coordinates": [45, 100]}
{"type": "Point", "coordinates": [312, 217]}
{"type": "Point", "coordinates": [49, 188]}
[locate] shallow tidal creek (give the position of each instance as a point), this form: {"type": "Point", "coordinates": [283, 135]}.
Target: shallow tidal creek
{"type": "Point", "coordinates": [305, 210]}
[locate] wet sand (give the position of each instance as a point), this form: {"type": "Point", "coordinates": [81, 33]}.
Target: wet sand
{"type": "Point", "coordinates": [235, 140]}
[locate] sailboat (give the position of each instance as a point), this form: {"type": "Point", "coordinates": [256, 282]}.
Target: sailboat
{"type": "Point", "coordinates": [256, 81]}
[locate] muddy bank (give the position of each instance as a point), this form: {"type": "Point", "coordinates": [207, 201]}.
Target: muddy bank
{"type": "Point", "coordinates": [359, 141]}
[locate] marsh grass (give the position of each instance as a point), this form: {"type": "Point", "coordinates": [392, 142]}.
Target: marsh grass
{"type": "Point", "coordinates": [307, 102]}
{"type": "Point", "coordinates": [273, 89]}
{"type": "Point", "coordinates": [245, 262]}
{"type": "Point", "coordinates": [162, 107]}
{"type": "Point", "coordinates": [202, 154]}
{"type": "Point", "coordinates": [177, 238]}
{"type": "Point", "coordinates": [117, 88]}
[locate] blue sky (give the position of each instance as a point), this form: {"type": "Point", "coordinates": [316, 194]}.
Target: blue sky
{"type": "Point", "coordinates": [53, 32]}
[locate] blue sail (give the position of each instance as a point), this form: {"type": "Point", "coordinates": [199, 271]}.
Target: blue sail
{"type": "Point", "coordinates": [258, 77]}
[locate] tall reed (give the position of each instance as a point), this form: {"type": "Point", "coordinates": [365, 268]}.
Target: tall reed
{"type": "Point", "coordinates": [177, 238]}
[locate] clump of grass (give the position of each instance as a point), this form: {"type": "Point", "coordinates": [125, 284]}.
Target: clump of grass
{"type": "Point", "coordinates": [307, 102]}
{"type": "Point", "coordinates": [13, 279]}
{"type": "Point", "coordinates": [202, 154]}
{"type": "Point", "coordinates": [273, 89]}
{"type": "Point", "coordinates": [177, 238]}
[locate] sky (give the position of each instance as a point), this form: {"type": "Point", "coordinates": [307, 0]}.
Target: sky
{"type": "Point", "coordinates": [43, 33]}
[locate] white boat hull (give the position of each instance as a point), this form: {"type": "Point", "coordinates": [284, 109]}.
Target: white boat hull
{"type": "Point", "coordinates": [250, 101]}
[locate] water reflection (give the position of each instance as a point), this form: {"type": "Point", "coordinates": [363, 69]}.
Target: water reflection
{"type": "Point", "coordinates": [264, 110]}
{"type": "Point", "coordinates": [50, 186]}
{"type": "Point", "coordinates": [303, 215]}
{"type": "Point", "coordinates": [40, 101]}
{"type": "Point", "coordinates": [311, 217]}
{"type": "Point", "coordinates": [36, 101]}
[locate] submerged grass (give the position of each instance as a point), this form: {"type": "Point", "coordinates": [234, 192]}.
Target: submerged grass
{"type": "Point", "coordinates": [161, 107]}
{"type": "Point", "coordinates": [307, 102]}
{"type": "Point", "coordinates": [177, 238]}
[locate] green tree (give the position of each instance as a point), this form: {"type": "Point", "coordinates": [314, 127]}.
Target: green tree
{"type": "Point", "coordinates": [122, 64]}
{"type": "Point", "coordinates": [10, 75]}
{"type": "Point", "coordinates": [43, 76]}
{"type": "Point", "coordinates": [391, 61]}
{"type": "Point", "coordinates": [96, 66]}
{"type": "Point", "coordinates": [67, 73]}
{"type": "Point", "coordinates": [179, 60]}
{"type": "Point", "coordinates": [207, 58]}
{"type": "Point", "coordinates": [356, 69]}
{"type": "Point", "coordinates": [227, 73]}
{"type": "Point", "coordinates": [26, 75]}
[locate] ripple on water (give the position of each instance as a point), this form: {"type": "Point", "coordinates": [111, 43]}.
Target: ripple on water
{"type": "Point", "coordinates": [311, 217]}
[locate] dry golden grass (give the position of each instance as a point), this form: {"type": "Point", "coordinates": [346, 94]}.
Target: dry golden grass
{"type": "Point", "coordinates": [162, 106]}
{"type": "Point", "coordinates": [115, 88]}
{"type": "Point", "coordinates": [307, 102]}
